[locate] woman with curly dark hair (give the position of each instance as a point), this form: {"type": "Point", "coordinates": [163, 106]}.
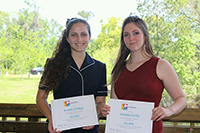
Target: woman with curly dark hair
{"type": "Point", "coordinates": [72, 72]}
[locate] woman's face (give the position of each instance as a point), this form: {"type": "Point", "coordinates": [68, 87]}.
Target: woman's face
{"type": "Point", "coordinates": [133, 37]}
{"type": "Point", "coordinates": [78, 37]}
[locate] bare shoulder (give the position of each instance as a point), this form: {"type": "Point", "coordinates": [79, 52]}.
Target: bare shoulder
{"type": "Point", "coordinates": [164, 68]}
{"type": "Point", "coordinates": [163, 63]}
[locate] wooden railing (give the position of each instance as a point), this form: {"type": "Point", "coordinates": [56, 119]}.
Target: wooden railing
{"type": "Point", "coordinates": [27, 118]}
{"type": "Point", "coordinates": [191, 119]}
{"type": "Point", "coordinates": [21, 118]}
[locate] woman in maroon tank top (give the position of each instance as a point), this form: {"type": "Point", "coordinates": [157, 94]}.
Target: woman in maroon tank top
{"type": "Point", "coordinates": [141, 76]}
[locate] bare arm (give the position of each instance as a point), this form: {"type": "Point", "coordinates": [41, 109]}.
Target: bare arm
{"type": "Point", "coordinates": [113, 95]}
{"type": "Point", "coordinates": [100, 101]}
{"type": "Point", "coordinates": [105, 108]}
{"type": "Point", "coordinates": [171, 83]}
{"type": "Point", "coordinates": [43, 105]}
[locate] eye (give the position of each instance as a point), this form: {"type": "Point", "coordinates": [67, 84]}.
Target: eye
{"type": "Point", "coordinates": [84, 34]}
{"type": "Point", "coordinates": [126, 35]}
{"type": "Point", "coordinates": [136, 33]}
{"type": "Point", "coordinates": [73, 34]}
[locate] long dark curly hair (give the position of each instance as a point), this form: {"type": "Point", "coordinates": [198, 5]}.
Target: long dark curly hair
{"type": "Point", "coordinates": [58, 66]}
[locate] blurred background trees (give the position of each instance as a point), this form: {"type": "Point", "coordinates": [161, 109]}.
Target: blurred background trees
{"type": "Point", "coordinates": [175, 35]}
{"type": "Point", "coordinates": [26, 40]}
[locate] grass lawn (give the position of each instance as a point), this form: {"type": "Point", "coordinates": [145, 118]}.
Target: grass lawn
{"type": "Point", "coordinates": [15, 90]}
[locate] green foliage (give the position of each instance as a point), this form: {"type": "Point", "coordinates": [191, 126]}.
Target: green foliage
{"type": "Point", "coordinates": [175, 37]}
{"type": "Point", "coordinates": [105, 47]}
{"type": "Point", "coordinates": [106, 55]}
{"type": "Point", "coordinates": [26, 39]}
{"type": "Point", "coordinates": [86, 14]}
{"type": "Point", "coordinates": [110, 33]}
{"type": "Point", "coordinates": [109, 36]}
{"type": "Point", "coordinates": [186, 64]}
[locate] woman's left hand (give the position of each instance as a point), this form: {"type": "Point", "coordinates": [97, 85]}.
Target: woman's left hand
{"type": "Point", "coordinates": [159, 113]}
{"type": "Point", "coordinates": [88, 127]}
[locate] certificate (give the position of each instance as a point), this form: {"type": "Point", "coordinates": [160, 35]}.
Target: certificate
{"type": "Point", "coordinates": [73, 112]}
{"type": "Point", "coordinates": [128, 116]}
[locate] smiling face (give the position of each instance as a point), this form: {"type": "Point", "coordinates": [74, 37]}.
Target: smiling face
{"type": "Point", "coordinates": [78, 37]}
{"type": "Point", "coordinates": [133, 37]}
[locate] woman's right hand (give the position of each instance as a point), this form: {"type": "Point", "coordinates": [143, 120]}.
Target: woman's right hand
{"type": "Point", "coordinates": [105, 110]}
{"type": "Point", "coordinates": [50, 128]}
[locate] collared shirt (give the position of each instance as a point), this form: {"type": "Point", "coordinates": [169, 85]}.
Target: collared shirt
{"type": "Point", "coordinates": [89, 79]}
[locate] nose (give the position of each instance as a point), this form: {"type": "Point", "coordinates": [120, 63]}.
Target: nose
{"type": "Point", "coordinates": [131, 38]}
{"type": "Point", "coordinates": [79, 38]}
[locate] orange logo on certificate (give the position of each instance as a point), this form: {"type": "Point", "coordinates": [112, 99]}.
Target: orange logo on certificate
{"type": "Point", "coordinates": [125, 106]}
{"type": "Point", "coordinates": [67, 103]}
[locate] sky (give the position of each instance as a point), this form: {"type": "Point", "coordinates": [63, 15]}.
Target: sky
{"type": "Point", "coordinates": [60, 10]}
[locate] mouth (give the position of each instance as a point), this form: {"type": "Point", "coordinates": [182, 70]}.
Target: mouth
{"type": "Point", "coordinates": [133, 43]}
{"type": "Point", "coordinates": [79, 44]}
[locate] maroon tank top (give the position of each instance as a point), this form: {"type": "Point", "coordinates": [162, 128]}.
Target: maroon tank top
{"type": "Point", "coordinates": [142, 84]}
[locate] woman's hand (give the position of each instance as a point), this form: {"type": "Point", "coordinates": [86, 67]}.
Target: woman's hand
{"type": "Point", "coordinates": [50, 128]}
{"type": "Point", "coordinates": [159, 113]}
{"type": "Point", "coordinates": [105, 109]}
{"type": "Point", "coordinates": [88, 127]}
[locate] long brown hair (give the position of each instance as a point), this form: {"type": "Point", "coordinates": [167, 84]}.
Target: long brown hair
{"type": "Point", "coordinates": [124, 52]}
{"type": "Point", "coordinates": [58, 66]}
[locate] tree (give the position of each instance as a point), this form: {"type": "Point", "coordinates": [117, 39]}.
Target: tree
{"type": "Point", "coordinates": [5, 50]}
{"type": "Point", "coordinates": [26, 39]}
{"type": "Point", "coordinates": [172, 26]}
{"type": "Point", "coordinates": [110, 34]}
{"type": "Point", "coordinates": [86, 14]}
{"type": "Point", "coordinates": [105, 47]}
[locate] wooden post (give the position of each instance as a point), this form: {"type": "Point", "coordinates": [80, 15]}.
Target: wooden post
{"type": "Point", "coordinates": [17, 118]}
{"type": "Point", "coordinates": [192, 124]}
{"type": "Point", "coordinates": [175, 124]}
{"type": "Point", "coordinates": [4, 118]}
{"type": "Point", "coordinates": [32, 119]}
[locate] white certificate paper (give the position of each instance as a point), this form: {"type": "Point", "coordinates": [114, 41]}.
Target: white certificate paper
{"type": "Point", "coordinates": [128, 116]}
{"type": "Point", "coordinates": [74, 112]}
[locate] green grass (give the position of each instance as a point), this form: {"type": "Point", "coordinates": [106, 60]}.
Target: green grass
{"type": "Point", "coordinates": [15, 90]}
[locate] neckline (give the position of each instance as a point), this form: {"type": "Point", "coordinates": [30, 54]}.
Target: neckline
{"type": "Point", "coordinates": [88, 61]}
{"type": "Point", "coordinates": [138, 66]}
